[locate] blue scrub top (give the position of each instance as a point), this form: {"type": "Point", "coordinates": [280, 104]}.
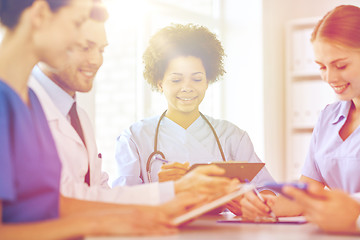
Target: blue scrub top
{"type": "Point", "coordinates": [29, 164]}
{"type": "Point", "coordinates": [331, 160]}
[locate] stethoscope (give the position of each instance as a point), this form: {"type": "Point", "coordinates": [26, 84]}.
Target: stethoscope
{"type": "Point", "coordinates": [157, 152]}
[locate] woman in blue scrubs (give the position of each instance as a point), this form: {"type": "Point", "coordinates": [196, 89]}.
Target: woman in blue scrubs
{"type": "Point", "coordinates": [43, 30]}
{"type": "Point", "coordinates": [333, 159]}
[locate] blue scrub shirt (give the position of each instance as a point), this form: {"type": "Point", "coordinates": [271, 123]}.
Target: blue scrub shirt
{"type": "Point", "coordinates": [29, 164]}
{"type": "Point", "coordinates": [331, 160]}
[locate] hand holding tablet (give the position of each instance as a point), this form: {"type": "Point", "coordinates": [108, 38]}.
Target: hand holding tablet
{"type": "Point", "coordinates": [239, 170]}
{"type": "Point", "coordinates": [206, 207]}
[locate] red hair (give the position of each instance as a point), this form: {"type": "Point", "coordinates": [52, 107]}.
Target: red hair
{"type": "Point", "coordinates": [340, 25]}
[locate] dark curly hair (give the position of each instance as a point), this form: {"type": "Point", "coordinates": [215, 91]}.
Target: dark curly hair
{"type": "Point", "coordinates": [183, 40]}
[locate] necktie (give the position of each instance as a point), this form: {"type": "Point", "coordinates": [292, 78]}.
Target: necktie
{"type": "Point", "coordinates": [75, 122]}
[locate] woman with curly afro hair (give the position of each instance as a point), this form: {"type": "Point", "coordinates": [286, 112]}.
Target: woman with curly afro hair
{"type": "Point", "coordinates": [180, 62]}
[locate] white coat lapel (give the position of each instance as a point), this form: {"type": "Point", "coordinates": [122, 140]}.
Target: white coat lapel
{"type": "Point", "coordinates": [53, 115]}
{"type": "Point", "coordinates": [88, 132]}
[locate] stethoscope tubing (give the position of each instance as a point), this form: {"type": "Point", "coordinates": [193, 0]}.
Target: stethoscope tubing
{"type": "Point", "coordinates": [156, 151]}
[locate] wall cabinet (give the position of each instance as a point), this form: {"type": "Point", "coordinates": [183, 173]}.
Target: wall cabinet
{"type": "Point", "coordinates": [306, 94]}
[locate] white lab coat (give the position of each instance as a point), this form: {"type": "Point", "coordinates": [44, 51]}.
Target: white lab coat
{"type": "Point", "coordinates": [75, 158]}
{"type": "Point", "coordinates": [196, 144]}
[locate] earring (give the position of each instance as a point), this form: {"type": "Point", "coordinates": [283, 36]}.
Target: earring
{"type": "Point", "coordinates": [159, 87]}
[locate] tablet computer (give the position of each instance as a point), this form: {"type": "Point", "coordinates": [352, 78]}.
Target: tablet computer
{"type": "Point", "coordinates": [206, 207]}
{"type": "Point", "coordinates": [240, 170]}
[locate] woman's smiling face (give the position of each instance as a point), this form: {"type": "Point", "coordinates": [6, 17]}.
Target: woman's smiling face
{"type": "Point", "coordinates": [340, 68]}
{"type": "Point", "coordinates": [184, 84]}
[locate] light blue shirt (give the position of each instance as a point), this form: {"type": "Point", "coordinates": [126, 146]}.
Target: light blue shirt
{"type": "Point", "coordinates": [62, 100]}
{"type": "Point", "coordinates": [330, 160]}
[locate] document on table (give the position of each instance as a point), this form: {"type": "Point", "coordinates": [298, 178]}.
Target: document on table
{"type": "Point", "coordinates": [281, 220]}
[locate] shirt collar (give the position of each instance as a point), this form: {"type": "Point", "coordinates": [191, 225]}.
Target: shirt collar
{"type": "Point", "coordinates": [343, 112]}
{"type": "Point", "coordinates": [196, 124]}
{"type": "Point", "coordinates": [62, 100]}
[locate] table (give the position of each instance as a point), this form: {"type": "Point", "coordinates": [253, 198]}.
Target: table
{"type": "Point", "coordinates": [207, 228]}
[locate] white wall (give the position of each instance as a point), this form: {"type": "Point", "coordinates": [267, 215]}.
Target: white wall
{"type": "Point", "coordinates": [243, 92]}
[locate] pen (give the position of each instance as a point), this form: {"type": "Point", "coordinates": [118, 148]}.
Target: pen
{"type": "Point", "coordinates": [272, 214]}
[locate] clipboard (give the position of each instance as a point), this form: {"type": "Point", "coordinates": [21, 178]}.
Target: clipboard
{"type": "Point", "coordinates": [239, 170]}
{"type": "Point", "coordinates": [281, 220]}
{"type": "Point", "coordinates": [197, 211]}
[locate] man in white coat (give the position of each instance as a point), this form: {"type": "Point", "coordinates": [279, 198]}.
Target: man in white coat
{"type": "Point", "coordinates": [82, 177]}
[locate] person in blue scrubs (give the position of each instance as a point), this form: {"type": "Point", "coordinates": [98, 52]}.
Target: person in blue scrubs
{"type": "Point", "coordinates": [43, 30]}
{"type": "Point", "coordinates": [26, 195]}
{"type": "Point", "coordinates": [333, 159]}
